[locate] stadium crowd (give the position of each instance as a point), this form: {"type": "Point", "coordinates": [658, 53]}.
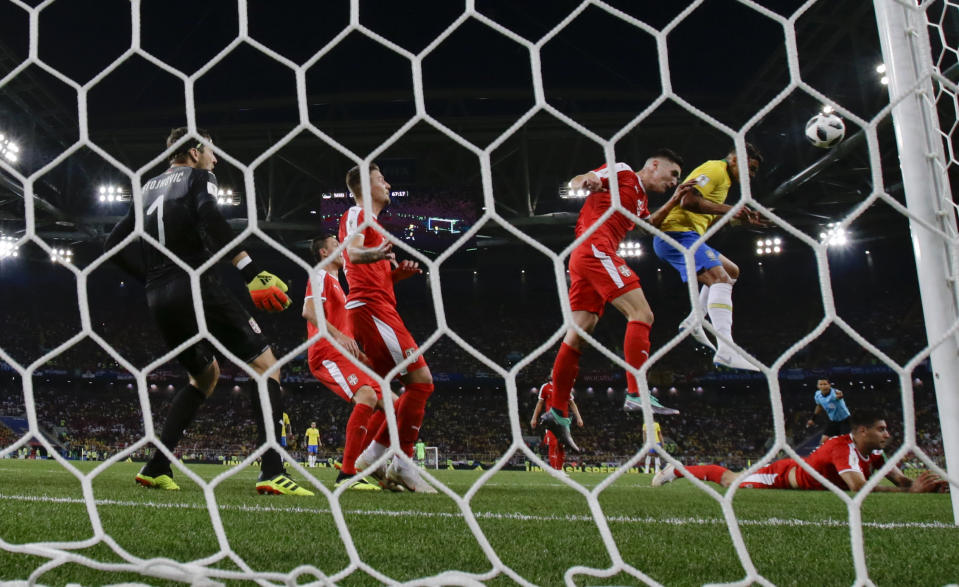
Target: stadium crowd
{"type": "Point", "coordinates": [88, 400]}
{"type": "Point", "coordinates": [730, 423]}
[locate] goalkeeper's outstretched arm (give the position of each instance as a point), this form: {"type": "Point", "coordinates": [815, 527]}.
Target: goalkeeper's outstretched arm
{"type": "Point", "coordinates": [267, 290]}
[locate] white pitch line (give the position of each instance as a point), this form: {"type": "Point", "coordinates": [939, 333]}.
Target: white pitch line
{"type": "Point", "coordinates": [829, 523]}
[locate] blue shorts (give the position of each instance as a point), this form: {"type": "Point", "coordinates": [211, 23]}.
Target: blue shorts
{"type": "Point", "coordinates": [283, 441]}
{"type": "Point", "coordinates": [704, 258]}
{"type": "Point", "coordinates": [312, 449]}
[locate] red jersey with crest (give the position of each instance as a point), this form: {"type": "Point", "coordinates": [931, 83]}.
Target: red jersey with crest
{"type": "Point", "coordinates": [334, 311]}
{"type": "Point", "coordinates": [545, 391]}
{"type": "Point", "coordinates": [632, 196]}
{"type": "Point", "coordinates": [838, 455]}
{"type": "Point", "coordinates": [370, 283]}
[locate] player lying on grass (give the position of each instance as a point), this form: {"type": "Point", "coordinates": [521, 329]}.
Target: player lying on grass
{"type": "Point", "coordinates": [847, 461]}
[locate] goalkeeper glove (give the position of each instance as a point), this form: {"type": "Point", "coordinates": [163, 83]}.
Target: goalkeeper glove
{"type": "Point", "coordinates": [267, 291]}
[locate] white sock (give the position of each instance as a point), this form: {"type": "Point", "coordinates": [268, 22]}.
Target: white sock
{"type": "Point", "coordinates": [721, 308]}
{"type": "Point", "coordinates": [703, 298]}
{"type": "Point", "coordinates": [374, 451]}
{"type": "Point", "coordinates": [646, 469]}
{"type": "Point", "coordinates": [659, 464]}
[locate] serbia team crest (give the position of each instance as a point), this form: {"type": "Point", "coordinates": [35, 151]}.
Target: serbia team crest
{"type": "Point", "coordinates": [625, 270]}
{"type": "Point", "coordinates": [353, 379]}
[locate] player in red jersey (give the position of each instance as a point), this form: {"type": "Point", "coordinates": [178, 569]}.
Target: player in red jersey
{"type": "Point", "coordinates": [599, 276]}
{"type": "Point", "coordinates": [556, 449]}
{"type": "Point", "coordinates": [334, 369]}
{"type": "Point", "coordinates": [846, 461]}
{"type": "Point", "coordinates": [371, 271]}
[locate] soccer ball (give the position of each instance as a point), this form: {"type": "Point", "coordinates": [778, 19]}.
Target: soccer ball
{"type": "Point", "coordinates": [825, 130]}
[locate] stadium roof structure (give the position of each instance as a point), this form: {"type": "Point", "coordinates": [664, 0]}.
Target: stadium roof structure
{"type": "Point", "coordinates": [726, 59]}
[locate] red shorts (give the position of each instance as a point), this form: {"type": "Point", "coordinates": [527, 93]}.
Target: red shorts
{"type": "Point", "coordinates": [384, 338]}
{"type": "Point", "coordinates": [773, 476]}
{"type": "Point", "coordinates": [340, 375]}
{"type": "Point", "coordinates": [596, 277]}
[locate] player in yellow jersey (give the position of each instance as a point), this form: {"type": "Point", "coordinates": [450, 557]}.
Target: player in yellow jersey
{"type": "Point", "coordinates": [655, 451]}
{"type": "Point", "coordinates": [284, 427]}
{"type": "Point", "coordinates": [686, 223]}
{"type": "Point", "coordinates": [313, 443]}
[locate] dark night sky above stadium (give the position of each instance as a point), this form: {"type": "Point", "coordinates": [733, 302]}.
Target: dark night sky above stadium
{"type": "Point", "coordinates": [725, 58]}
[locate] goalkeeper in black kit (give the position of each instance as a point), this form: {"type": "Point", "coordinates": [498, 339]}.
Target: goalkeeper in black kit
{"type": "Point", "coordinates": [180, 212]}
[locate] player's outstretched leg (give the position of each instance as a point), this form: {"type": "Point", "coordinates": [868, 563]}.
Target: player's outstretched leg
{"type": "Point", "coordinates": [696, 328]}
{"type": "Point", "coordinates": [157, 473]}
{"type": "Point", "coordinates": [556, 423]}
{"type": "Point", "coordinates": [634, 403]}
{"type": "Point", "coordinates": [556, 419]}
{"type": "Point", "coordinates": [273, 479]}
{"type": "Point", "coordinates": [408, 476]}
{"type": "Point", "coordinates": [721, 315]}
{"type": "Point", "coordinates": [409, 415]}
{"type": "Point", "coordinates": [363, 407]}
{"type": "Point", "coordinates": [636, 346]}
{"type": "Point", "coordinates": [375, 424]}
{"type": "Point", "coordinates": [714, 473]}
{"type": "Point", "coordinates": [665, 476]}
{"type": "Point", "coordinates": [161, 481]}
{"type": "Point", "coordinates": [369, 456]}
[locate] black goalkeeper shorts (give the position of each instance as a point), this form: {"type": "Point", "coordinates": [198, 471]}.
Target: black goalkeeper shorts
{"type": "Point", "coordinates": [834, 428]}
{"type": "Point", "coordinates": [171, 302]}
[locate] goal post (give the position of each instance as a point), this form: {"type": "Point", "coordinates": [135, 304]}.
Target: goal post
{"type": "Point", "coordinates": [910, 67]}
{"type": "Point", "coordinates": [432, 457]}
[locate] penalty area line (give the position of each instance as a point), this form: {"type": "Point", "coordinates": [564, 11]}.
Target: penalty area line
{"type": "Point", "coordinates": [670, 521]}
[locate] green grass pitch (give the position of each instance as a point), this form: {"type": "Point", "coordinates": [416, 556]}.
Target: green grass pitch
{"type": "Point", "coordinates": [537, 525]}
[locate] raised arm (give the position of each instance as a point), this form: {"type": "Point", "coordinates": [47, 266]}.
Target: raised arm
{"type": "Point", "coordinates": [575, 411]}
{"type": "Point", "coordinates": [588, 181]}
{"type": "Point", "coordinates": [536, 412]}
{"type": "Point", "coordinates": [267, 291]}
{"type": "Point", "coordinates": [694, 201]}
{"type": "Point", "coordinates": [363, 255]}
{"type": "Point", "coordinates": [657, 217]}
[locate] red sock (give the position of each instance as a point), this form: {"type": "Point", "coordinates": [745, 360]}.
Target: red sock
{"type": "Point", "coordinates": [383, 434]}
{"type": "Point", "coordinates": [355, 434]}
{"type": "Point", "coordinates": [636, 349]}
{"type": "Point", "coordinates": [373, 427]}
{"type": "Point", "coordinates": [557, 455]}
{"type": "Point", "coordinates": [409, 417]}
{"type": "Point", "coordinates": [712, 473]}
{"type": "Point", "coordinates": [565, 369]}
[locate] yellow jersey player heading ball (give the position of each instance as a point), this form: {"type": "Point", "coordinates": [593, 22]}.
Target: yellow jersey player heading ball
{"type": "Point", "coordinates": [686, 223]}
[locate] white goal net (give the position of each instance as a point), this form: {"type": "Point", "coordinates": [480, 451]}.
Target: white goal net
{"type": "Point", "coordinates": [919, 47]}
